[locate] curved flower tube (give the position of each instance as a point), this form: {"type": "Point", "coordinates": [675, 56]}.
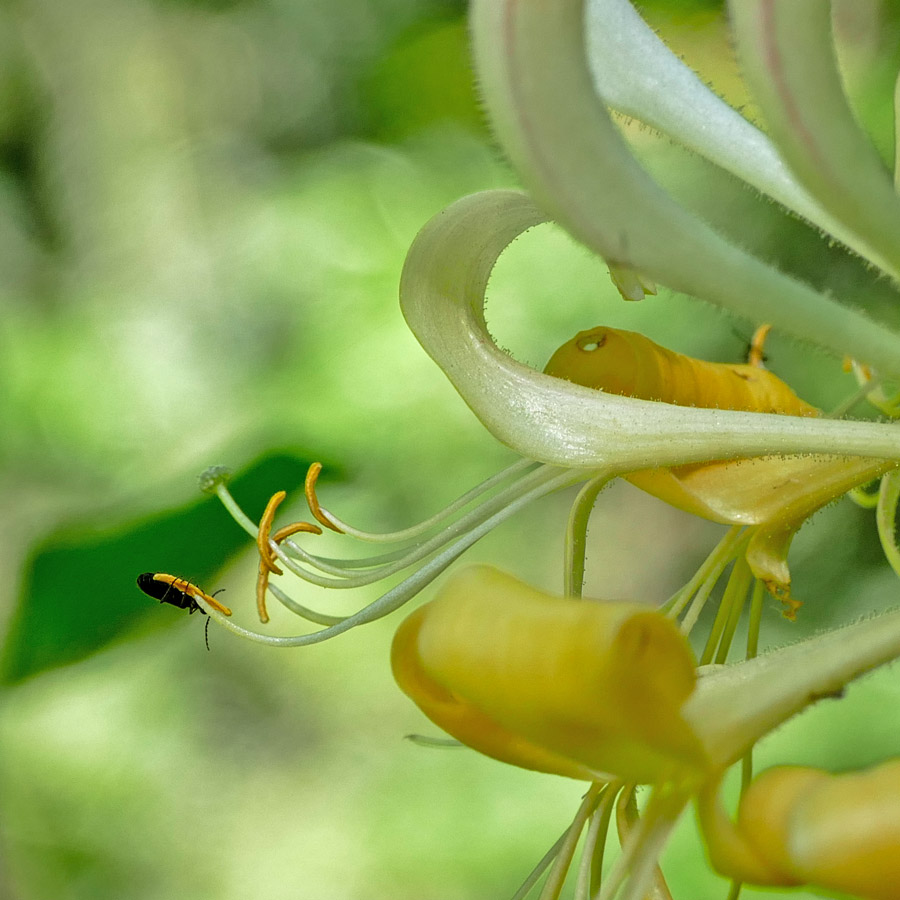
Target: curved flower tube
{"type": "Point", "coordinates": [442, 297]}
{"type": "Point", "coordinates": [639, 76]}
{"type": "Point", "coordinates": [537, 85]}
{"type": "Point", "coordinates": [788, 58]}
{"type": "Point", "coordinates": [573, 687]}
{"type": "Point", "coordinates": [805, 826]}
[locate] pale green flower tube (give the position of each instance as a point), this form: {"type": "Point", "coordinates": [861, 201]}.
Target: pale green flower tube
{"type": "Point", "coordinates": [538, 88]}
{"type": "Point", "coordinates": [788, 58]}
{"type": "Point", "coordinates": [442, 297]}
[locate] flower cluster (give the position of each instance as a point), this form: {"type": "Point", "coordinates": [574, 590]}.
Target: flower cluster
{"type": "Point", "coordinates": [610, 693]}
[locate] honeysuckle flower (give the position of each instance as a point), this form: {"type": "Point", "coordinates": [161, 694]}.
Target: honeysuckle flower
{"type": "Point", "coordinates": [606, 691]}
{"type": "Point", "coordinates": [772, 494]}
{"type": "Point", "coordinates": [556, 684]}
{"type": "Point", "coordinates": [800, 825]}
{"type": "Point", "coordinates": [543, 91]}
{"type": "Point", "coordinates": [561, 685]}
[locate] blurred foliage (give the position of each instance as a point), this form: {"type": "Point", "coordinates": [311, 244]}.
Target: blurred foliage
{"type": "Point", "coordinates": [425, 80]}
{"type": "Point", "coordinates": [204, 211]}
{"type": "Point", "coordinates": [99, 567]}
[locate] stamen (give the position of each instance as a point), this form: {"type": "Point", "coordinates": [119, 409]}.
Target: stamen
{"type": "Point", "coordinates": [723, 553]}
{"type": "Point", "coordinates": [627, 819]}
{"type": "Point", "coordinates": [304, 612]}
{"type": "Point", "coordinates": [392, 537]}
{"type": "Point", "coordinates": [267, 544]}
{"type": "Point", "coordinates": [590, 870]}
{"type": "Point", "coordinates": [756, 607]}
{"type": "Point", "coordinates": [295, 528]}
{"type": "Point", "coordinates": [418, 551]}
{"type": "Point", "coordinates": [557, 877]}
{"type": "Point", "coordinates": [446, 547]}
{"type": "Point", "coordinates": [756, 356]}
{"type": "Point", "coordinates": [542, 866]}
{"type": "Point", "coordinates": [262, 585]}
{"type": "Point", "coordinates": [637, 861]}
{"type": "Point", "coordinates": [871, 389]}
{"type": "Point", "coordinates": [730, 607]}
{"type": "Point", "coordinates": [737, 607]}
{"type": "Point", "coordinates": [312, 476]}
{"type": "Point", "coordinates": [338, 567]}
{"type": "Point", "coordinates": [266, 560]}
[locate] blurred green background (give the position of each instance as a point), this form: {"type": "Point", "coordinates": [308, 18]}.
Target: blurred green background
{"type": "Point", "coordinates": [204, 210]}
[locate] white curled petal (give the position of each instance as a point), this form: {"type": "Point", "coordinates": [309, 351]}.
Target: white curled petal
{"type": "Point", "coordinates": [787, 54]}
{"type": "Point", "coordinates": [638, 75]}
{"type": "Point", "coordinates": [442, 296]}
{"type": "Point", "coordinates": [531, 60]}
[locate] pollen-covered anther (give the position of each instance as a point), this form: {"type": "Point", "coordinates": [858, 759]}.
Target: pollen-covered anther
{"type": "Point", "coordinates": [264, 539]}
{"type": "Point", "coordinates": [319, 514]}
{"type": "Point", "coordinates": [756, 355]}
{"type": "Point", "coordinates": [266, 558]}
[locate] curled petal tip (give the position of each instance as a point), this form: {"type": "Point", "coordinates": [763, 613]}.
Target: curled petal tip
{"type": "Point", "coordinates": [576, 687]}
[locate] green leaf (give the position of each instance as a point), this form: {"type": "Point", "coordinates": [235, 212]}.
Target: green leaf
{"type": "Point", "coordinates": [79, 592]}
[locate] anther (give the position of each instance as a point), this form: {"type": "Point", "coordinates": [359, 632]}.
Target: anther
{"type": "Point", "coordinates": [756, 355]}
{"type": "Point", "coordinates": [267, 564]}
{"type": "Point", "coordinates": [312, 476]}
{"type": "Point", "coordinates": [295, 528]}
{"type": "Point", "coordinates": [265, 526]}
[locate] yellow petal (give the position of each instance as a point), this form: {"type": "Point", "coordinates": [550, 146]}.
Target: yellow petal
{"type": "Point", "coordinates": [839, 832]}
{"type": "Point", "coordinates": [581, 688]}
{"type": "Point", "coordinates": [629, 364]}
{"type": "Point", "coordinates": [769, 489]}
{"type": "Point", "coordinates": [777, 493]}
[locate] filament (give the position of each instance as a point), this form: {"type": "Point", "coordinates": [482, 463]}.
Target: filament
{"type": "Point", "coordinates": [332, 521]}
{"type": "Point", "coordinates": [576, 535]}
{"type": "Point", "coordinates": [557, 877]}
{"type": "Point", "coordinates": [715, 563]}
{"type": "Point", "coordinates": [635, 868]}
{"type": "Point", "coordinates": [443, 549]}
{"type": "Point", "coordinates": [542, 866]}
{"type": "Point", "coordinates": [730, 608]}
{"type": "Point", "coordinates": [420, 550]}
{"type": "Point", "coordinates": [590, 870]}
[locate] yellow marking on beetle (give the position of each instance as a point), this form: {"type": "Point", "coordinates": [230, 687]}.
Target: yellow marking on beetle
{"type": "Point", "coordinates": [191, 590]}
